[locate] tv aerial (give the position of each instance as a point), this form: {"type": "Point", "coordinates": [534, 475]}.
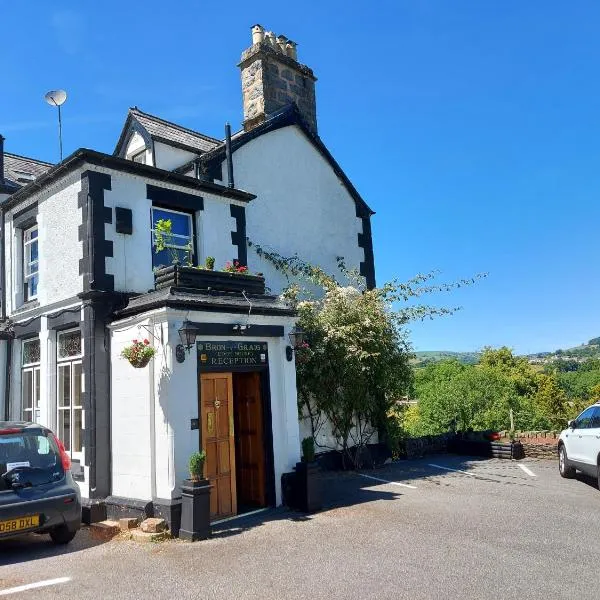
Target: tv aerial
{"type": "Point", "coordinates": [57, 98]}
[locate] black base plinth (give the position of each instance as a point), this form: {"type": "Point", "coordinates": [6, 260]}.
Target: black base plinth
{"type": "Point", "coordinates": [195, 510]}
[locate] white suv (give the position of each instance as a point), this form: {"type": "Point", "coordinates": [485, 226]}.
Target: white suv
{"type": "Point", "coordinates": [579, 444]}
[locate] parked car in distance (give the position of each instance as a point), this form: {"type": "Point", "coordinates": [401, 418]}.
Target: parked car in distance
{"type": "Point", "coordinates": [37, 491]}
{"type": "Point", "coordinates": [579, 444]}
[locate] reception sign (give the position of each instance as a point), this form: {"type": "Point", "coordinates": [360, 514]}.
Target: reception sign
{"type": "Point", "coordinates": [231, 355]}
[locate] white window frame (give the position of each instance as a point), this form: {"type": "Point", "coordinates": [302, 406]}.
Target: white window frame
{"type": "Point", "coordinates": [30, 414]}
{"type": "Point", "coordinates": [137, 154]}
{"type": "Point", "coordinates": [69, 362]}
{"type": "Point", "coordinates": [30, 268]}
{"type": "Point", "coordinates": [189, 240]}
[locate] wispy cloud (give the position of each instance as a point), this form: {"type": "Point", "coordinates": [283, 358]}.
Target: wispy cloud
{"type": "Point", "coordinates": [69, 28]}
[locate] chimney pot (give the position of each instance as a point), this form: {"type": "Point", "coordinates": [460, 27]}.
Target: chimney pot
{"type": "Point", "coordinates": [270, 38]}
{"type": "Point", "coordinates": [291, 50]}
{"type": "Point", "coordinates": [258, 34]}
{"type": "Point", "coordinates": [281, 41]}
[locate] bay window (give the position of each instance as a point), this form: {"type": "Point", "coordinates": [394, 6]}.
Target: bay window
{"type": "Point", "coordinates": [69, 401]}
{"type": "Point", "coordinates": [30, 380]}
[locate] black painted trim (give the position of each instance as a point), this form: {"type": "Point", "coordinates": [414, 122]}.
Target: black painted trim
{"type": "Point", "coordinates": [25, 218]}
{"type": "Point", "coordinates": [91, 232]}
{"type": "Point", "coordinates": [65, 319]}
{"type": "Point", "coordinates": [92, 157]}
{"type": "Point", "coordinates": [123, 220]}
{"type": "Point", "coordinates": [173, 198]}
{"type": "Point", "coordinates": [226, 329]}
{"type": "Point", "coordinates": [238, 237]}
{"type": "Point", "coordinates": [28, 329]}
{"type": "Point", "coordinates": [365, 241]}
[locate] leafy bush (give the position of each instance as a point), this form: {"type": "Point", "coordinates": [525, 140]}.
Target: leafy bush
{"type": "Point", "coordinates": [196, 465]}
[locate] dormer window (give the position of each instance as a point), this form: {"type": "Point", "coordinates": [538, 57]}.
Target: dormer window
{"type": "Point", "coordinates": [24, 176]}
{"type": "Point", "coordinates": [139, 157]}
{"type": "Point", "coordinates": [30, 263]}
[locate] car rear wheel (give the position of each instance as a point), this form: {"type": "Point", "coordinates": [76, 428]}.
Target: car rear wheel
{"type": "Point", "coordinates": [563, 464]}
{"type": "Point", "coordinates": [62, 535]}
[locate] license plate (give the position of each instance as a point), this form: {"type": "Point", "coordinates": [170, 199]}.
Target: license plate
{"type": "Point", "coordinates": [19, 524]}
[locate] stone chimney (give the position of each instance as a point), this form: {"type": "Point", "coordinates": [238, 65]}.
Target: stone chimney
{"type": "Point", "coordinates": [272, 78]}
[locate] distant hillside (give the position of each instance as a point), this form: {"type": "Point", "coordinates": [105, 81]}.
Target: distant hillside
{"type": "Point", "coordinates": [577, 354]}
{"type": "Point", "coordinates": [427, 357]}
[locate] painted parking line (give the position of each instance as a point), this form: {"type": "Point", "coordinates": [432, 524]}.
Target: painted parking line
{"type": "Point", "coordinates": [33, 586]}
{"type": "Point", "coordinates": [449, 469]}
{"type": "Point", "coordinates": [528, 471]}
{"type": "Point", "coordinates": [412, 487]}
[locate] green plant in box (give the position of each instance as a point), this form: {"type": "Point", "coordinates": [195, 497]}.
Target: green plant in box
{"type": "Point", "coordinates": [308, 449]}
{"type": "Point", "coordinates": [196, 465]}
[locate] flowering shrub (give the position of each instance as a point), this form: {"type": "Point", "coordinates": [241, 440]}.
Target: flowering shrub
{"type": "Point", "coordinates": [139, 353]}
{"type": "Point", "coordinates": [235, 267]}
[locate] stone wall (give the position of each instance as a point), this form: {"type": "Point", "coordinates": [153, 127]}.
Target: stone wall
{"type": "Point", "coordinates": [537, 444]}
{"type": "Point", "coordinates": [270, 81]}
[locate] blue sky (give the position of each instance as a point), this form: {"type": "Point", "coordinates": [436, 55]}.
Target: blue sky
{"type": "Point", "coordinates": [472, 129]}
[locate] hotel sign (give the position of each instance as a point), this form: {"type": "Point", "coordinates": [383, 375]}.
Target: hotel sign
{"type": "Point", "coordinates": [231, 355]}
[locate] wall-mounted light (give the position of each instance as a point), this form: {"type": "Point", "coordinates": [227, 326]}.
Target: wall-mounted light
{"type": "Point", "coordinates": [297, 337]}
{"type": "Point", "coordinates": [240, 329]}
{"type": "Point", "coordinates": [187, 335]}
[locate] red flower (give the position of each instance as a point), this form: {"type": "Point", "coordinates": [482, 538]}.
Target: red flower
{"type": "Point", "coordinates": [135, 341]}
{"type": "Point", "coordinates": [146, 342]}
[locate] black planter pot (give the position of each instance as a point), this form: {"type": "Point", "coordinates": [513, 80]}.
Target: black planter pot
{"type": "Point", "coordinates": [203, 279]}
{"type": "Point", "coordinates": [305, 488]}
{"type": "Point", "coordinates": [195, 510]}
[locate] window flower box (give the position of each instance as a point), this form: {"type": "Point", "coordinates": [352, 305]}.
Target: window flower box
{"type": "Point", "coordinates": [204, 279]}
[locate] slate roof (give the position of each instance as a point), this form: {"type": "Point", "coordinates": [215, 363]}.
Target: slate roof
{"type": "Point", "coordinates": [167, 132]}
{"type": "Point", "coordinates": [231, 302]}
{"type": "Point", "coordinates": [15, 166]}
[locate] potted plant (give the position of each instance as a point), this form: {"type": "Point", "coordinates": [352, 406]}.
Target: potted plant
{"type": "Point", "coordinates": [195, 501]}
{"type": "Point", "coordinates": [305, 486]}
{"type": "Point", "coordinates": [138, 353]}
{"type": "Point", "coordinates": [210, 263]}
{"type": "Point", "coordinates": [196, 465]}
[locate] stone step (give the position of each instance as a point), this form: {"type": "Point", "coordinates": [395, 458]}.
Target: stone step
{"type": "Point", "coordinates": [142, 537]}
{"type": "Point", "coordinates": [104, 530]}
{"type": "Point", "coordinates": [153, 525]}
{"type": "Point", "coordinates": [128, 523]}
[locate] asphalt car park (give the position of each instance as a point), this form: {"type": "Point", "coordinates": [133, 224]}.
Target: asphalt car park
{"type": "Point", "coordinates": [439, 527]}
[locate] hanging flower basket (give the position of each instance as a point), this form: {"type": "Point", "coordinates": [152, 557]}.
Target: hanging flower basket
{"type": "Point", "coordinates": [138, 353]}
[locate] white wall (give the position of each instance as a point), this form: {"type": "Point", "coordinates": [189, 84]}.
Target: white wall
{"type": "Point", "coordinates": [131, 409]}
{"type": "Point", "coordinates": [167, 406]}
{"type": "Point", "coordinates": [135, 145]}
{"type": "Point", "coordinates": [59, 247]}
{"type": "Point", "coordinates": [302, 207]}
{"type": "Point", "coordinates": [131, 263]}
{"type": "Point", "coordinates": [169, 157]}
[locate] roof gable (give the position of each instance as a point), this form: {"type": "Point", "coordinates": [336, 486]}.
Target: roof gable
{"type": "Point", "coordinates": [164, 131]}
{"type": "Point", "coordinates": [288, 115]}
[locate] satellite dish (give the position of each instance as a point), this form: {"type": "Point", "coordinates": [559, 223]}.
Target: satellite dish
{"type": "Point", "coordinates": [56, 97]}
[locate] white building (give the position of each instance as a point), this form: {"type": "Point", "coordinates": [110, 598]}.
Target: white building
{"type": "Point", "coordinates": [78, 285]}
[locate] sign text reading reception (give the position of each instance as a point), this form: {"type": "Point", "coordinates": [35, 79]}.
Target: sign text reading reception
{"type": "Point", "coordinates": [227, 356]}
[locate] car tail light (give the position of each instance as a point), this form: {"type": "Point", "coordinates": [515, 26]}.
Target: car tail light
{"type": "Point", "coordinates": [66, 459]}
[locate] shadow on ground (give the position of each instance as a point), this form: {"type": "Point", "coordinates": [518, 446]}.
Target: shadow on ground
{"type": "Point", "coordinates": [28, 547]}
{"type": "Point", "coordinates": [350, 488]}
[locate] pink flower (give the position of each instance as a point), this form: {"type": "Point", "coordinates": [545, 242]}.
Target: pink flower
{"type": "Point", "coordinates": [135, 341]}
{"type": "Point", "coordinates": [146, 342]}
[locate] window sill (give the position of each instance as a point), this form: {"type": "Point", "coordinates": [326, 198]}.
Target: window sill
{"type": "Point", "coordinates": [26, 306]}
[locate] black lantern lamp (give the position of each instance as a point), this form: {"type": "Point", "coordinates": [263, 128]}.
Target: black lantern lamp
{"type": "Point", "coordinates": [297, 337]}
{"type": "Point", "coordinates": [187, 335]}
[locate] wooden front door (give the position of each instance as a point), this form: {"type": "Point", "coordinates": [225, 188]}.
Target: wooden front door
{"type": "Point", "coordinates": [249, 448]}
{"type": "Point", "coordinates": [218, 442]}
